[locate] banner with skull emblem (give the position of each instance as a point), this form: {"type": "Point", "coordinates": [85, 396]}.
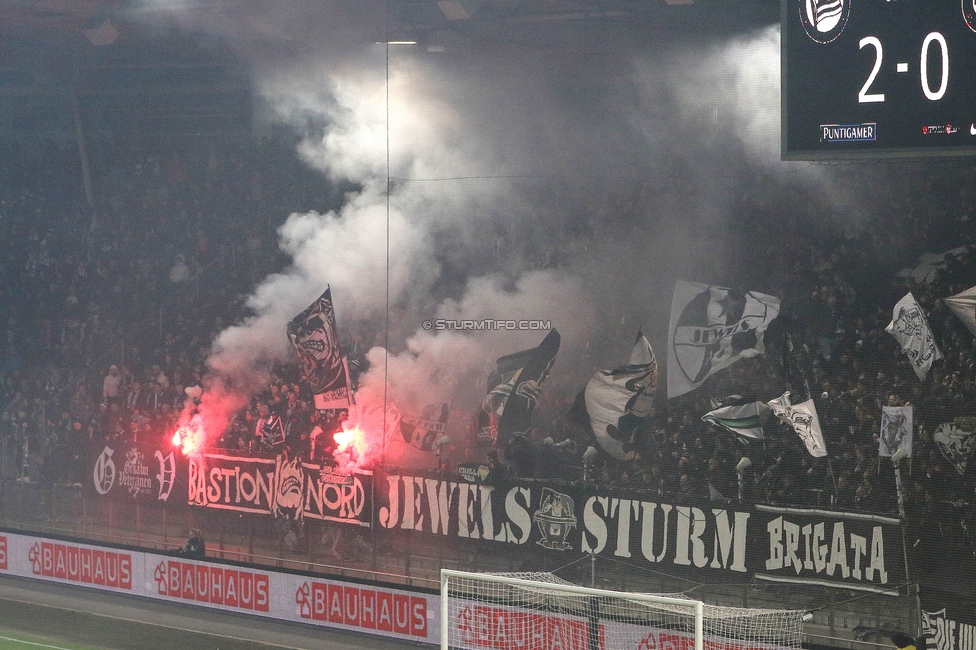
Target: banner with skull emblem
{"type": "Point", "coordinates": [284, 488]}
{"type": "Point", "coordinates": [316, 339]}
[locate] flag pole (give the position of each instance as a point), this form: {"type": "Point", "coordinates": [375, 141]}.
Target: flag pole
{"type": "Point", "coordinates": [833, 478]}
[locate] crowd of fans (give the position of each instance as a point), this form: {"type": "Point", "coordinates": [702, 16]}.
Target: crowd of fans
{"type": "Point", "coordinates": [109, 311]}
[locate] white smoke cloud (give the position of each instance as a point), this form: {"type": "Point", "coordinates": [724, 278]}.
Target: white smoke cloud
{"type": "Point", "coordinates": [493, 188]}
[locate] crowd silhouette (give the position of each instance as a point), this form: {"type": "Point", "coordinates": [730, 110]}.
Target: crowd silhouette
{"type": "Point", "coordinates": [109, 310]}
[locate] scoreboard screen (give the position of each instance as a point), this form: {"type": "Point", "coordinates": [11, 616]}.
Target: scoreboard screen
{"type": "Point", "coordinates": [878, 78]}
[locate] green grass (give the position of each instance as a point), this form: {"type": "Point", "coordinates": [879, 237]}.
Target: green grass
{"type": "Point", "coordinates": [16, 640]}
{"type": "Point", "coordinates": [28, 626]}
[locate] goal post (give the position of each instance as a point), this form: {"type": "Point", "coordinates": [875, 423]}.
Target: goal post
{"type": "Point", "coordinates": [539, 611]}
{"type": "Point", "coordinates": [536, 605]}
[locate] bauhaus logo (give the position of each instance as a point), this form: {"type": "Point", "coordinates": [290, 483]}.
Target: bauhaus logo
{"type": "Point", "coordinates": [204, 583]}
{"type": "Point", "coordinates": [81, 564]}
{"type": "Point", "coordinates": [3, 552]}
{"type": "Point", "coordinates": [371, 609]}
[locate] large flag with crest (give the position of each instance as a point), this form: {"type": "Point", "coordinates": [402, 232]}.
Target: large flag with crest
{"type": "Point", "coordinates": [424, 430]}
{"type": "Point", "coordinates": [956, 441]}
{"type": "Point", "coordinates": [963, 305]}
{"type": "Point", "coordinates": [513, 389]}
{"type": "Point", "coordinates": [896, 430]}
{"type": "Point", "coordinates": [910, 328]}
{"type": "Point", "coordinates": [316, 339]}
{"type": "Point", "coordinates": [616, 403]}
{"type": "Point", "coordinates": [803, 419]}
{"type": "Point", "coordinates": [712, 328]}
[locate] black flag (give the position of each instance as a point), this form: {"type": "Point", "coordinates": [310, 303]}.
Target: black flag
{"type": "Point", "coordinates": [513, 389]}
{"type": "Point", "coordinates": [316, 339]}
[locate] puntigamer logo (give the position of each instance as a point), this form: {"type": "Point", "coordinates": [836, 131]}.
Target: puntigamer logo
{"type": "Point", "coordinates": [848, 132]}
{"type": "Point", "coordinates": [824, 20]}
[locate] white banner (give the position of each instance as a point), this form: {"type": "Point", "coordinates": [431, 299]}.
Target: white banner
{"type": "Point", "coordinates": [619, 400]}
{"type": "Point", "coordinates": [712, 328]}
{"type": "Point", "coordinates": [910, 328]}
{"type": "Point", "coordinates": [896, 430]}
{"type": "Point", "coordinates": [803, 418]}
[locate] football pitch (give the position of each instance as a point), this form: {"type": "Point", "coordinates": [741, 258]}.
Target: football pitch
{"type": "Point", "coordinates": [13, 640]}
{"type": "Point", "coordinates": [26, 625]}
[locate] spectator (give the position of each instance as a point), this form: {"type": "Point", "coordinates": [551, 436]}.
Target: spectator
{"type": "Point", "coordinates": [111, 386]}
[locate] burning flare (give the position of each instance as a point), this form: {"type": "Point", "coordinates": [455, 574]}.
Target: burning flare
{"type": "Point", "coordinates": [191, 436]}
{"type": "Point", "coordinates": [352, 447]}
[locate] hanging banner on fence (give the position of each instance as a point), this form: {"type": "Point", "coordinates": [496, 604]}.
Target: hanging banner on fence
{"type": "Point", "coordinates": [287, 489]}
{"type": "Point", "coordinates": [849, 550]}
{"type": "Point", "coordinates": [147, 474]}
{"type": "Point", "coordinates": [948, 620]}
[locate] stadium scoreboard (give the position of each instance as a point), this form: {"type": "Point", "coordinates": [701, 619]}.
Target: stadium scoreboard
{"type": "Point", "coordinates": [878, 78]}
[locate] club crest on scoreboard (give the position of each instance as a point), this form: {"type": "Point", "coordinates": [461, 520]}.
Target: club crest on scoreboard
{"type": "Point", "coordinates": [969, 13]}
{"type": "Point", "coordinates": [825, 20]}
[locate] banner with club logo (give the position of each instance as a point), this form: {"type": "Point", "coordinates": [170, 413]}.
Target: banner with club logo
{"type": "Point", "coordinates": [147, 474]}
{"type": "Point", "coordinates": [712, 328]}
{"type": "Point", "coordinates": [704, 542]}
{"type": "Point", "coordinates": [288, 489]}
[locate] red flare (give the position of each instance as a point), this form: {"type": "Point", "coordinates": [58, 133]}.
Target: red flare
{"type": "Point", "coordinates": [352, 447]}
{"type": "Point", "coordinates": [190, 436]}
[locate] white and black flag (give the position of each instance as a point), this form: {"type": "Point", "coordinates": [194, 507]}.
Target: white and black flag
{"type": "Point", "coordinates": [956, 441]}
{"type": "Point", "coordinates": [316, 339]}
{"type": "Point", "coordinates": [896, 430]}
{"type": "Point", "coordinates": [712, 328]}
{"type": "Point", "coordinates": [803, 419]}
{"type": "Point", "coordinates": [616, 403]}
{"type": "Point", "coordinates": [910, 328]}
{"type": "Point", "coordinates": [424, 430]}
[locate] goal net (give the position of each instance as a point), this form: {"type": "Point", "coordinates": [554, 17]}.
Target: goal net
{"type": "Point", "coordinates": [536, 611]}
